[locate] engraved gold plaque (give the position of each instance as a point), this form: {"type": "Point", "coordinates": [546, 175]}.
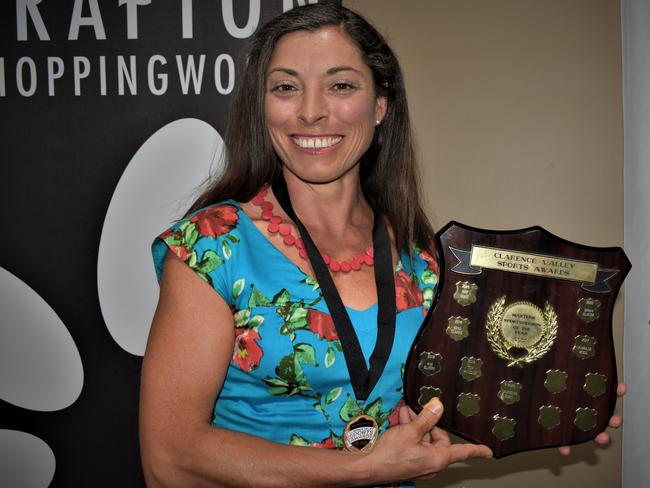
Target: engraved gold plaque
{"type": "Point", "coordinates": [504, 427]}
{"type": "Point", "coordinates": [509, 392]}
{"type": "Point", "coordinates": [520, 333]}
{"type": "Point", "coordinates": [588, 309]}
{"type": "Point", "coordinates": [457, 328]}
{"type": "Point", "coordinates": [430, 363]}
{"type": "Point", "coordinates": [555, 380]}
{"type": "Point", "coordinates": [468, 404]}
{"type": "Point", "coordinates": [595, 384]}
{"type": "Point", "coordinates": [586, 419]}
{"type": "Point", "coordinates": [549, 416]}
{"type": "Point", "coordinates": [585, 346]}
{"type": "Point", "coordinates": [427, 393]}
{"type": "Point", "coordinates": [470, 368]}
{"type": "Point", "coordinates": [533, 264]}
{"type": "Point", "coordinates": [465, 293]}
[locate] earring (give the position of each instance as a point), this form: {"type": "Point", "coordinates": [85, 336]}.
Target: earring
{"type": "Point", "coordinates": [377, 122]}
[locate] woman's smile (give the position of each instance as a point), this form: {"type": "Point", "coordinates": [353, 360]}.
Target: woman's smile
{"type": "Point", "coordinates": [316, 144]}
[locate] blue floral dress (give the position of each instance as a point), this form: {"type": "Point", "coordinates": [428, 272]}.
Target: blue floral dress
{"type": "Point", "coordinates": [287, 380]}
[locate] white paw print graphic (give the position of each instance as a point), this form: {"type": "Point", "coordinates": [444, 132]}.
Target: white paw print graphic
{"type": "Point", "coordinates": [40, 365]}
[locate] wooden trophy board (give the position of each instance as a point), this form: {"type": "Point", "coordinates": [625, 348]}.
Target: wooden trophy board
{"type": "Point", "coordinates": [519, 344]}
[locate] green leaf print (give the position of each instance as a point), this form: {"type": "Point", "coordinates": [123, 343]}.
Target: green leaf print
{"type": "Point", "coordinates": [238, 287]}
{"type": "Point", "coordinates": [226, 249]}
{"type": "Point", "coordinates": [350, 409]}
{"type": "Point", "coordinates": [429, 277]}
{"type": "Point", "coordinates": [277, 386]}
{"type": "Point", "coordinates": [232, 238]}
{"type": "Point", "coordinates": [374, 409]}
{"type": "Point", "coordinates": [427, 297]}
{"type": "Point", "coordinates": [257, 299]}
{"type": "Point", "coordinates": [296, 440]}
{"type": "Point", "coordinates": [333, 394]}
{"type": "Point", "coordinates": [330, 356]}
{"type": "Point", "coordinates": [338, 440]}
{"type": "Point", "coordinates": [286, 370]}
{"type": "Point", "coordinates": [255, 321]}
{"type": "Point", "coordinates": [311, 282]}
{"type": "Point", "coordinates": [191, 261]}
{"type": "Point", "coordinates": [241, 317]}
{"type": "Point", "coordinates": [290, 376]}
{"type": "Point", "coordinates": [190, 234]}
{"type": "Point", "coordinates": [173, 239]}
{"type": "Point", "coordinates": [282, 298]}
{"type": "Point", "coordinates": [209, 262]}
{"type": "Point", "coordinates": [305, 354]}
{"type": "Point", "coordinates": [297, 316]}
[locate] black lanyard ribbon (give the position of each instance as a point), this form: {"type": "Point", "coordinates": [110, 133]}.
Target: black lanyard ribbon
{"type": "Point", "coordinates": [363, 380]}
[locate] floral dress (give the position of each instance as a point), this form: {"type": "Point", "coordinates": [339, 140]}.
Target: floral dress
{"type": "Point", "coordinates": [287, 380]}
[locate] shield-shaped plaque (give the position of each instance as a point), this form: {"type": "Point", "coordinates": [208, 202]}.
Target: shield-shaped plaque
{"type": "Point", "coordinates": [539, 352]}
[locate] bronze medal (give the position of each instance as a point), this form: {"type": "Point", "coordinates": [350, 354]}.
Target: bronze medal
{"type": "Point", "coordinates": [360, 433]}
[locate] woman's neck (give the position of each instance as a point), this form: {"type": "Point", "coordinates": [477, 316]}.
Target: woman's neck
{"type": "Point", "coordinates": [330, 209]}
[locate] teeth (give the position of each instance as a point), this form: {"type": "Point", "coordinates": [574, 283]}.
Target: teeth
{"type": "Point", "coordinates": [316, 142]}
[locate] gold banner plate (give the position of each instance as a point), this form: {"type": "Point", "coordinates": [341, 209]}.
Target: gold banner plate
{"type": "Point", "coordinates": [533, 264]}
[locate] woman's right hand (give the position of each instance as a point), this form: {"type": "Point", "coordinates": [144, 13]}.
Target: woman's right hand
{"type": "Point", "coordinates": [418, 449]}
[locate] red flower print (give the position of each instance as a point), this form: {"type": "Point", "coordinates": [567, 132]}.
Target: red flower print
{"type": "Point", "coordinates": [326, 444]}
{"type": "Point", "coordinates": [172, 238]}
{"type": "Point", "coordinates": [215, 221]}
{"type": "Point", "coordinates": [322, 324]}
{"type": "Point", "coordinates": [408, 294]}
{"type": "Point", "coordinates": [181, 252]}
{"type": "Point", "coordinates": [247, 353]}
{"type": "Point", "coordinates": [394, 415]}
{"type": "Point", "coordinates": [431, 260]}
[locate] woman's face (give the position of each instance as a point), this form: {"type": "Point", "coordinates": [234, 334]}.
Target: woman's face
{"type": "Point", "coordinates": [320, 104]}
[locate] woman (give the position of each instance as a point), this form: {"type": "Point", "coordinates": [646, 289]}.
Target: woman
{"type": "Point", "coordinates": [316, 244]}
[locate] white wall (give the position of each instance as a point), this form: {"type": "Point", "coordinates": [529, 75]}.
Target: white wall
{"type": "Point", "coordinates": [635, 16]}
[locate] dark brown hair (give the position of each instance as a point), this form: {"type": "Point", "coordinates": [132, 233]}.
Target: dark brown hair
{"type": "Point", "coordinates": [389, 177]}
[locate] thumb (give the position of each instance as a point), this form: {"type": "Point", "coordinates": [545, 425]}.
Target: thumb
{"type": "Point", "coordinates": [428, 417]}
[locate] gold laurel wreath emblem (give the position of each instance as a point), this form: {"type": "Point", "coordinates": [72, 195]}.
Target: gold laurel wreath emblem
{"type": "Point", "coordinates": [497, 341]}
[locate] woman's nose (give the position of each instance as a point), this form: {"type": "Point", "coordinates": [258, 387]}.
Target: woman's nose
{"type": "Point", "coordinates": [313, 107]}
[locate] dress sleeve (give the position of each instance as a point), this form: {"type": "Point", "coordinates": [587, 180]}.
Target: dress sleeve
{"type": "Point", "coordinates": [206, 242]}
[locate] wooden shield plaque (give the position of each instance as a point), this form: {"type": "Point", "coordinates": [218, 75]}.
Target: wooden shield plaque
{"type": "Point", "coordinates": [519, 344]}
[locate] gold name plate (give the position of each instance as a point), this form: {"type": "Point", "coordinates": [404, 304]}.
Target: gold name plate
{"type": "Point", "coordinates": [533, 264]}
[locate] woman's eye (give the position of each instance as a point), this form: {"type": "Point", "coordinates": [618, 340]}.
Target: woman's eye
{"type": "Point", "coordinates": [283, 87]}
{"type": "Point", "coordinates": [343, 86]}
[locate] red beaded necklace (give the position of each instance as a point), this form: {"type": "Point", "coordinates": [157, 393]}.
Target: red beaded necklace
{"type": "Point", "coordinates": [276, 225]}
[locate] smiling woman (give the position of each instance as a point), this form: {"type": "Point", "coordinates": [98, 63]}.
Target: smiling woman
{"type": "Point", "coordinates": [294, 287]}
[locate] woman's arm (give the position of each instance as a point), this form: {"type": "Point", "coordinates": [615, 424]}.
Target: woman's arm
{"type": "Point", "coordinates": [188, 352]}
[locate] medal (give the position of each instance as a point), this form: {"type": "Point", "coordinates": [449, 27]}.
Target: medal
{"type": "Point", "coordinates": [362, 431]}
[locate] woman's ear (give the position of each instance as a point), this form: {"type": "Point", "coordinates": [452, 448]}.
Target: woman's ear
{"type": "Point", "coordinates": [381, 106]}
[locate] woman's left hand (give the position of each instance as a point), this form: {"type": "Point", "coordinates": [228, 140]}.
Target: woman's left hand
{"type": "Point", "coordinates": [406, 415]}
{"type": "Point", "coordinates": [614, 422]}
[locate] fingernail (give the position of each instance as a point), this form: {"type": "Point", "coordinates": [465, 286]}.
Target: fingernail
{"type": "Point", "coordinates": [434, 406]}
